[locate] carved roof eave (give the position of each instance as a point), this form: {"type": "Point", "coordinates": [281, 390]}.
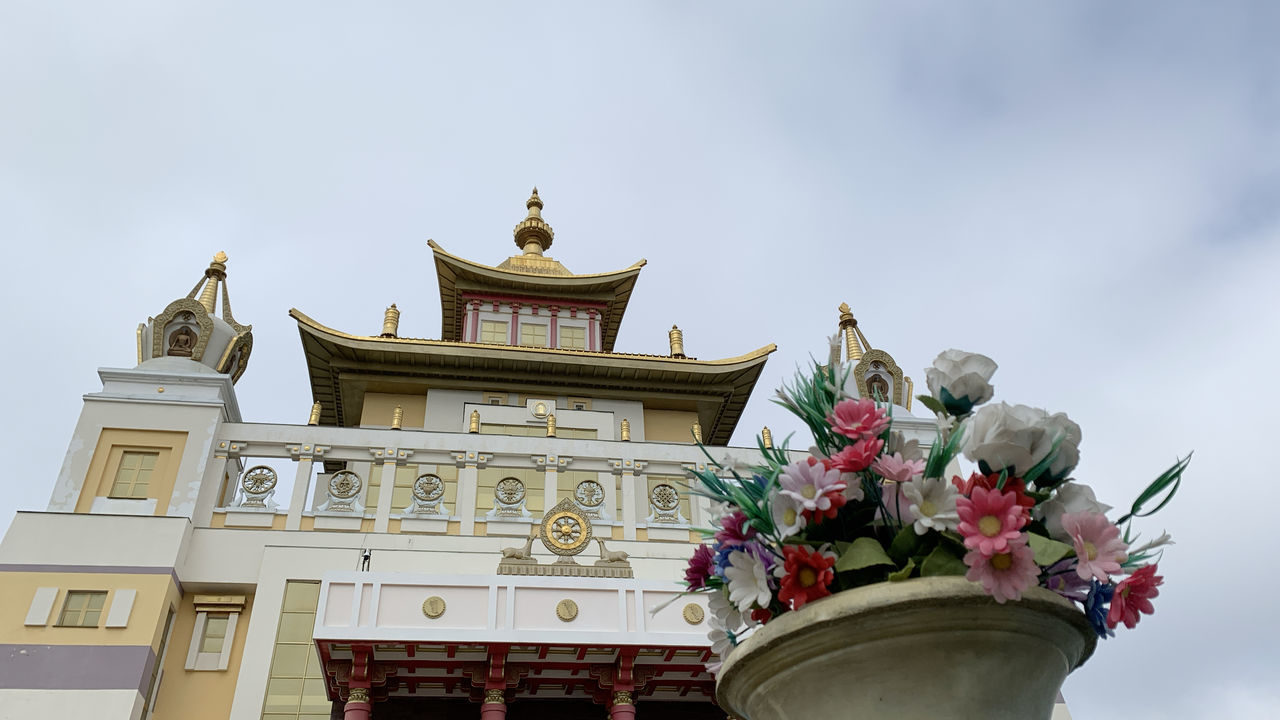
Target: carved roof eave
{"type": "Point", "coordinates": [721, 387]}
{"type": "Point", "coordinates": [456, 275]}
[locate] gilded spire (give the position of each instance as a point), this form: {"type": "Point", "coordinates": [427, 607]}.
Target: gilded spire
{"type": "Point", "coordinates": [766, 437]}
{"type": "Point", "coordinates": [314, 419]}
{"type": "Point", "coordinates": [397, 418]}
{"type": "Point", "coordinates": [551, 425]}
{"type": "Point", "coordinates": [473, 426]}
{"type": "Point", "coordinates": [216, 272]}
{"type": "Point", "coordinates": [697, 432]}
{"type": "Point", "coordinates": [849, 326]}
{"type": "Point", "coordinates": [626, 430]}
{"type": "Point", "coordinates": [533, 234]}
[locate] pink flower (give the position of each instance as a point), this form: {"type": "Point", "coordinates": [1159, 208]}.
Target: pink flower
{"type": "Point", "coordinates": [1004, 575]}
{"type": "Point", "coordinates": [1099, 549]}
{"type": "Point", "coordinates": [990, 520]}
{"type": "Point", "coordinates": [858, 419]}
{"type": "Point", "coordinates": [734, 529]}
{"type": "Point", "coordinates": [1133, 596]}
{"type": "Point", "coordinates": [894, 467]}
{"type": "Point", "coordinates": [701, 565]}
{"type": "Point", "coordinates": [811, 483]}
{"type": "Point", "coordinates": [858, 456]}
{"type": "Point", "coordinates": [897, 504]}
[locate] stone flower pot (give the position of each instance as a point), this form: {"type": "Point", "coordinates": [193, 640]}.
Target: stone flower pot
{"type": "Point", "coordinates": [933, 648]}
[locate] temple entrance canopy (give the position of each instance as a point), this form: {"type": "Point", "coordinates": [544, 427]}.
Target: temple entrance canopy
{"type": "Point", "coordinates": [499, 639]}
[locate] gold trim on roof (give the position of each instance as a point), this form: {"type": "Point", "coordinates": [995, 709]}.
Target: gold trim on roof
{"type": "Point", "coordinates": [495, 349]}
{"type": "Point", "coordinates": [533, 275]}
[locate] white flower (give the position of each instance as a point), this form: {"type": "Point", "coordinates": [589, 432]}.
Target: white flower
{"type": "Point", "coordinates": [933, 503]}
{"type": "Point", "coordinates": [1161, 541]}
{"type": "Point", "coordinates": [964, 377]}
{"type": "Point", "coordinates": [898, 443]}
{"type": "Point", "coordinates": [853, 486]}
{"type": "Point", "coordinates": [722, 613]}
{"type": "Point", "coordinates": [788, 514]}
{"type": "Point", "coordinates": [1008, 436]}
{"type": "Point", "coordinates": [1071, 497]}
{"type": "Point", "coordinates": [748, 581]}
{"type": "Point", "coordinates": [1059, 425]}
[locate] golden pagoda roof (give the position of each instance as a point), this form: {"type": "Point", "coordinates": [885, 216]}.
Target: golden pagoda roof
{"type": "Point", "coordinates": [343, 367]}
{"type": "Point", "coordinates": [531, 277]}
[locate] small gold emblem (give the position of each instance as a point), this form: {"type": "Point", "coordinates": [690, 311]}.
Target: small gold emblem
{"type": "Point", "coordinates": [433, 607]}
{"type": "Point", "coordinates": [567, 610]}
{"type": "Point", "coordinates": [693, 614]}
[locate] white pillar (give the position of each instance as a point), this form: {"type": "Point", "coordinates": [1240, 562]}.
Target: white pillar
{"type": "Point", "coordinates": [298, 501]}
{"type": "Point", "coordinates": [552, 485]}
{"type": "Point", "coordinates": [468, 477]}
{"type": "Point", "coordinates": [628, 506]}
{"type": "Point", "coordinates": [387, 486]}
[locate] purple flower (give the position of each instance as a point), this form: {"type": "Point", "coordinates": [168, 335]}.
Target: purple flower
{"type": "Point", "coordinates": [1064, 580]}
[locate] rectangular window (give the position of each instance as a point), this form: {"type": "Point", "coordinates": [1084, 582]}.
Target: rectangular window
{"type": "Point", "coordinates": [215, 631]}
{"type": "Point", "coordinates": [82, 608]}
{"type": "Point", "coordinates": [133, 478]}
{"type": "Point", "coordinates": [573, 338]}
{"type": "Point", "coordinates": [493, 331]}
{"type": "Point", "coordinates": [495, 398]}
{"type": "Point", "coordinates": [533, 335]}
{"type": "Point", "coordinates": [296, 685]}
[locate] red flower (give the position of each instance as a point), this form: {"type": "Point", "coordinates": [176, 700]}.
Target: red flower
{"type": "Point", "coordinates": [989, 482]}
{"type": "Point", "coordinates": [761, 615]}
{"type": "Point", "coordinates": [808, 573]}
{"type": "Point", "coordinates": [858, 456]}
{"type": "Point", "coordinates": [1133, 596]}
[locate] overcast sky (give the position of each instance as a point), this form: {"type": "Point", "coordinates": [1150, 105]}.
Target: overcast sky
{"type": "Point", "coordinates": [1087, 192]}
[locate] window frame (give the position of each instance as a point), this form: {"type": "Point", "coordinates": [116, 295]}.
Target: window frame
{"type": "Point", "coordinates": [142, 455]}
{"type": "Point", "coordinates": [207, 608]}
{"type": "Point", "coordinates": [488, 326]}
{"type": "Point", "coordinates": [566, 330]}
{"type": "Point", "coordinates": [88, 595]}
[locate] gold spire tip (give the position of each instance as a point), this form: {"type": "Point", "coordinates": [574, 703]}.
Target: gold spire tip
{"type": "Point", "coordinates": [220, 257]}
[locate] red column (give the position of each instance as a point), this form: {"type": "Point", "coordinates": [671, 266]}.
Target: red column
{"type": "Point", "coordinates": [495, 705]}
{"type": "Point", "coordinates": [515, 323]}
{"type": "Point", "coordinates": [473, 329]}
{"type": "Point", "coordinates": [553, 339]}
{"type": "Point", "coordinates": [623, 707]}
{"type": "Point", "coordinates": [358, 706]}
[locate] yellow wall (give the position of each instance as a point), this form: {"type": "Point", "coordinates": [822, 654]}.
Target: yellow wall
{"type": "Point", "coordinates": [150, 607]}
{"type": "Point", "coordinates": [378, 408]}
{"type": "Point", "coordinates": [106, 461]}
{"type": "Point", "coordinates": [669, 425]}
{"type": "Point", "coordinates": [198, 694]}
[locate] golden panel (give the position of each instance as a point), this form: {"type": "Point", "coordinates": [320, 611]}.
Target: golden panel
{"type": "Point", "coordinates": [567, 610]}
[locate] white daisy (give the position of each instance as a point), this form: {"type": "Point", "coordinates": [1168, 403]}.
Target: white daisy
{"type": "Point", "coordinates": [748, 580]}
{"type": "Point", "coordinates": [788, 514]}
{"type": "Point", "coordinates": [933, 503]}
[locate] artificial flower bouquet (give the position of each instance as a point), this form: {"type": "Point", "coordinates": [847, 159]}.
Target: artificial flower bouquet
{"type": "Point", "coordinates": [869, 505]}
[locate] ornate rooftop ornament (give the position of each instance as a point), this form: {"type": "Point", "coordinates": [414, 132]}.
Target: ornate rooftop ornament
{"type": "Point", "coordinates": [533, 235]}
{"type": "Point", "coordinates": [189, 329]}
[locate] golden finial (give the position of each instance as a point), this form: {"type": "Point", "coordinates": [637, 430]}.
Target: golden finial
{"type": "Point", "coordinates": [397, 418]}
{"type": "Point", "coordinates": [474, 426]}
{"type": "Point", "coordinates": [849, 326]}
{"type": "Point", "coordinates": [677, 342]}
{"type": "Point", "coordinates": [551, 425]}
{"type": "Point", "coordinates": [391, 322]}
{"type": "Point", "coordinates": [533, 235]}
{"type": "Point", "coordinates": [216, 271]}
{"type": "Point", "coordinates": [626, 430]}
{"type": "Point", "coordinates": [315, 414]}
{"type": "Point", "coordinates": [766, 437]}
{"type": "Point", "coordinates": [697, 432]}
{"type": "Point", "coordinates": [910, 391]}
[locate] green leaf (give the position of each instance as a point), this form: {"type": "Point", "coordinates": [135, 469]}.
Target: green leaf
{"type": "Point", "coordinates": [904, 573]}
{"type": "Point", "coordinates": [864, 552]}
{"type": "Point", "coordinates": [930, 402]}
{"type": "Point", "coordinates": [904, 544]}
{"type": "Point", "coordinates": [942, 562]}
{"type": "Point", "coordinates": [1047, 551]}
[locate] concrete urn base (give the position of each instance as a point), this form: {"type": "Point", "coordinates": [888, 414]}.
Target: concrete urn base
{"type": "Point", "coordinates": [937, 648]}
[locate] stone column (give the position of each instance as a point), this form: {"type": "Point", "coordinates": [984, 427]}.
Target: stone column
{"type": "Point", "coordinates": [298, 501]}
{"type": "Point", "coordinates": [593, 330]}
{"type": "Point", "coordinates": [553, 334]}
{"type": "Point", "coordinates": [387, 485]}
{"type": "Point", "coordinates": [624, 705]}
{"type": "Point", "coordinates": [358, 706]}
{"type": "Point", "coordinates": [495, 704]}
{"type": "Point", "coordinates": [473, 321]}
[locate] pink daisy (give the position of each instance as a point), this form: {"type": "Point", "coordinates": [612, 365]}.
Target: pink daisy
{"type": "Point", "coordinates": [858, 419]}
{"type": "Point", "coordinates": [1133, 597]}
{"type": "Point", "coordinates": [811, 483]}
{"type": "Point", "coordinates": [1004, 575]}
{"type": "Point", "coordinates": [894, 467]}
{"type": "Point", "coordinates": [1099, 549]}
{"type": "Point", "coordinates": [990, 520]}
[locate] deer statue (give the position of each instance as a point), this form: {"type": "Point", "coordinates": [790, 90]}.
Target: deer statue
{"type": "Point", "coordinates": [607, 555]}
{"type": "Point", "coordinates": [521, 553]}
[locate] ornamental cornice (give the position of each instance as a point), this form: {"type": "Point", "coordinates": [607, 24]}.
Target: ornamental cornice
{"type": "Point", "coordinates": [383, 455]}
